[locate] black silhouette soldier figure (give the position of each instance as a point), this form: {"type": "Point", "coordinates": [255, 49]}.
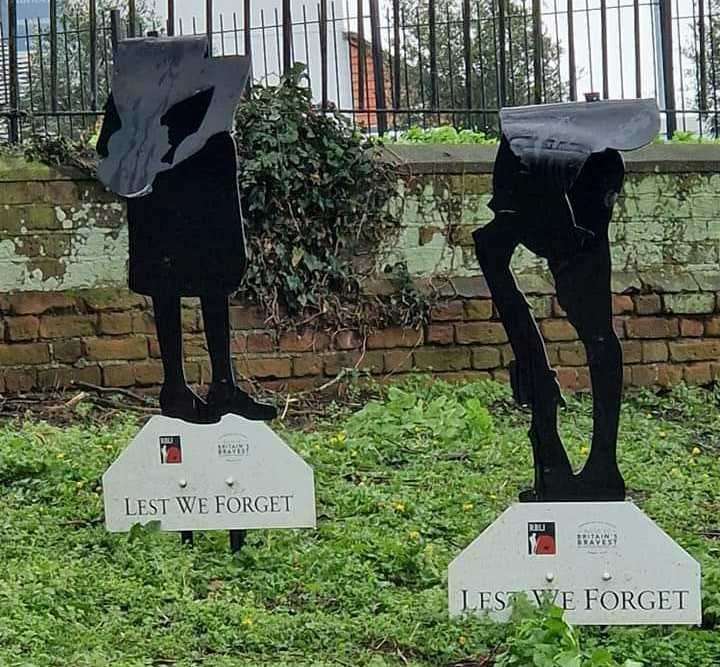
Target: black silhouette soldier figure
{"type": "Point", "coordinates": [557, 175]}
{"type": "Point", "coordinates": [166, 147]}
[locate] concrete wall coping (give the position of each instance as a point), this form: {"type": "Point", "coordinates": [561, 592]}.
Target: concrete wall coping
{"type": "Point", "coordinates": [478, 159]}
{"type": "Point", "coordinates": [433, 159]}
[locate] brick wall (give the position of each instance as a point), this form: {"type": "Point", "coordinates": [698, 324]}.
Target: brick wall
{"type": "Point", "coordinates": [65, 315]}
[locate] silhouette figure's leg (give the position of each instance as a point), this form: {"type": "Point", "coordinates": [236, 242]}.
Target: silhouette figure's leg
{"type": "Point", "coordinates": [224, 396]}
{"type": "Point", "coordinates": [583, 289]}
{"type": "Point", "coordinates": [216, 317]}
{"type": "Point", "coordinates": [534, 382]}
{"type": "Point", "coordinates": [176, 398]}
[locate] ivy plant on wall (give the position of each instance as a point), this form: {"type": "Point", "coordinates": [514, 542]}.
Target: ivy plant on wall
{"type": "Point", "coordinates": [317, 206]}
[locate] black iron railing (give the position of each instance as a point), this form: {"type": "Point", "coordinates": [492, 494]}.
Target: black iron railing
{"type": "Point", "coordinates": [388, 65]}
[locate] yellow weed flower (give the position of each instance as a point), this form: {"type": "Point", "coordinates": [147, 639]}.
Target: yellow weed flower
{"type": "Point", "coordinates": [696, 451]}
{"type": "Point", "coordinates": [413, 535]}
{"type": "Point", "coordinates": [247, 621]}
{"type": "Point", "coordinates": [584, 450]}
{"type": "Point", "coordinates": [467, 506]}
{"type": "Point", "coordinates": [461, 640]}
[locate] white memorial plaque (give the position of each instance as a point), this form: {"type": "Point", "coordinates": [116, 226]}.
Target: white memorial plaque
{"type": "Point", "coordinates": [232, 475]}
{"type": "Point", "coordinates": [605, 563]}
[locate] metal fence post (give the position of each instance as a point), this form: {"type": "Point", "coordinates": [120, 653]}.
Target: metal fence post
{"type": "Point", "coordinates": [287, 36]}
{"type": "Point", "coordinates": [378, 68]}
{"type": "Point", "coordinates": [324, 53]}
{"type": "Point", "coordinates": [467, 54]}
{"type": "Point", "coordinates": [537, 51]}
{"type": "Point", "coordinates": [434, 96]}
{"type": "Point", "coordinates": [502, 65]}
{"type": "Point", "coordinates": [666, 37]}
{"type": "Point", "coordinates": [209, 24]}
{"type": "Point", "coordinates": [93, 55]}
{"type": "Point", "coordinates": [114, 27]}
{"type": "Point", "coordinates": [13, 130]}
{"type": "Point", "coordinates": [132, 18]}
{"type": "Point", "coordinates": [171, 18]}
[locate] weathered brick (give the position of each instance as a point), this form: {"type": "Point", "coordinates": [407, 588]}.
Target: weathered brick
{"type": "Point", "coordinates": [194, 345]}
{"type": "Point", "coordinates": [689, 304]}
{"type": "Point", "coordinates": [246, 317]}
{"type": "Point", "coordinates": [691, 328]}
{"type": "Point", "coordinates": [447, 310]}
{"type": "Point", "coordinates": [112, 299]}
{"type": "Point", "coordinates": [568, 378]}
{"type": "Point", "coordinates": [558, 330]}
{"type": "Point", "coordinates": [265, 367]}
{"type": "Point", "coordinates": [147, 373]}
{"type": "Point", "coordinates": [337, 361]}
{"type": "Point", "coordinates": [645, 375]}
{"type": "Point", "coordinates": [651, 327]}
{"type": "Point", "coordinates": [37, 303]}
{"type": "Point", "coordinates": [24, 354]}
{"type": "Point", "coordinates": [622, 303]}
{"type": "Point", "coordinates": [712, 326]}
{"type": "Point", "coordinates": [442, 359]}
{"type": "Point", "coordinates": [307, 341]}
{"type": "Point", "coordinates": [478, 309]}
{"type": "Point", "coordinates": [471, 286]}
{"type": "Point", "coordinates": [395, 337]}
{"type": "Point", "coordinates": [440, 334]}
{"type": "Point", "coordinates": [541, 306]}
{"type": "Point", "coordinates": [631, 351]}
{"type": "Point", "coordinates": [557, 309]}
{"type": "Point", "coordinates": [115, 323]}
{"type": "Point", "coordinates": [191, 320]}
{"type": "Point", "coordinates": [66, 351]}
{"type": "Point", "coordinates": [60, 192]}
{"type": "Point", "coordinates": [114, 349]}
{"type": "Point", "coordinates": [698, 374]}
{"type": "Point", "coordinates": [259, 342]}
{"type": "Point", "coordinates": [647, 304]}
{"type": "Point", "coordinates": [372, 362]}
{"type": "Point", "coordinates": [347, 340]}
{"type": "Point", "coordinates": [583, 380]}
{"type": "Point", "coordinates": [397, 361]}
{"type": "Point", "coordinates": [506, 354]}
{"type": "Point", "coordinates": [118, 375]}
{"type": "Point", "coordinates": [654, 350]}
{"type": "Point", "coordinates": [696, 350]}
{"type": "Point", "coordinates": [307, 364]}
{"type": "Point", "coordinates": [480, 332]}
{"type": "Point", "coordinates": [572, 354]}
{"type": "Point", "coordinates": [484, 358]}
{"type": "Point", "coordinates": [153, 347]}
{"type": "Point", "coordinates": [143, 322]}
{"type": "Point", "coordinates": [22, 328]}
{"type": "Point", "coordinates": [67, 326]}
{"type": "Point", "coordinates": [669, 375]}
{"type": "Point", "coordinates": [19, 380]}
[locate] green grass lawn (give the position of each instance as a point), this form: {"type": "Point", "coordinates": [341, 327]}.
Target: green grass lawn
{"type": "Point", "coordinates": [402, 487]}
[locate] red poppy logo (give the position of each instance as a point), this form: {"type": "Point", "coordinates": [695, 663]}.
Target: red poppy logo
{"type": "Point", "coordinates": [170, 449]}
{"type": "Point", "coordinates": [541, 539]}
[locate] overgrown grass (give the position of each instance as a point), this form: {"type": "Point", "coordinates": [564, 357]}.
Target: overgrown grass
{"type": "Point", "coordinates": [402, 487]}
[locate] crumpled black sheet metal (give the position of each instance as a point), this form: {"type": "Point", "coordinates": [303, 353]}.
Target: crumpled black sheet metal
{"type": "Point", "coordinates": [553, 141]}
{"type": "Point", "coordinates": [170, 97]}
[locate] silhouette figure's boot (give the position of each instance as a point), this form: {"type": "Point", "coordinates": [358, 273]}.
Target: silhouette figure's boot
{"type": "Point", "coordinates": [181, 402]}
{"type": "Point", "coordinates": [226, 398]}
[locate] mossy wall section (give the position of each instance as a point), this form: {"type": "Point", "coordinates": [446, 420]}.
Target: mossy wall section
{"type": "Point", "coordinates": [67, 317]}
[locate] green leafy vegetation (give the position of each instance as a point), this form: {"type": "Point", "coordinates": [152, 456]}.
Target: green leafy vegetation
{"type": "Point", "coordinates": [402, 486]}
{"type": "Point", "coordinates": [319, 205]}
{"type": "Point", "coordinates": [445, 134]}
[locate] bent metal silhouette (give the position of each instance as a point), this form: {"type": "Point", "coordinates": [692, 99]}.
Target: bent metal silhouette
{"type": "Point", "coordinates": [166, 147]}
{"type": "Point", "coordinates": [557, 175]}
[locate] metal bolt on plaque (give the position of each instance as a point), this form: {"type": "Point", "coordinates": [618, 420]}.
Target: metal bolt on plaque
{"type": "Point", "coordinates": [573, 538]}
